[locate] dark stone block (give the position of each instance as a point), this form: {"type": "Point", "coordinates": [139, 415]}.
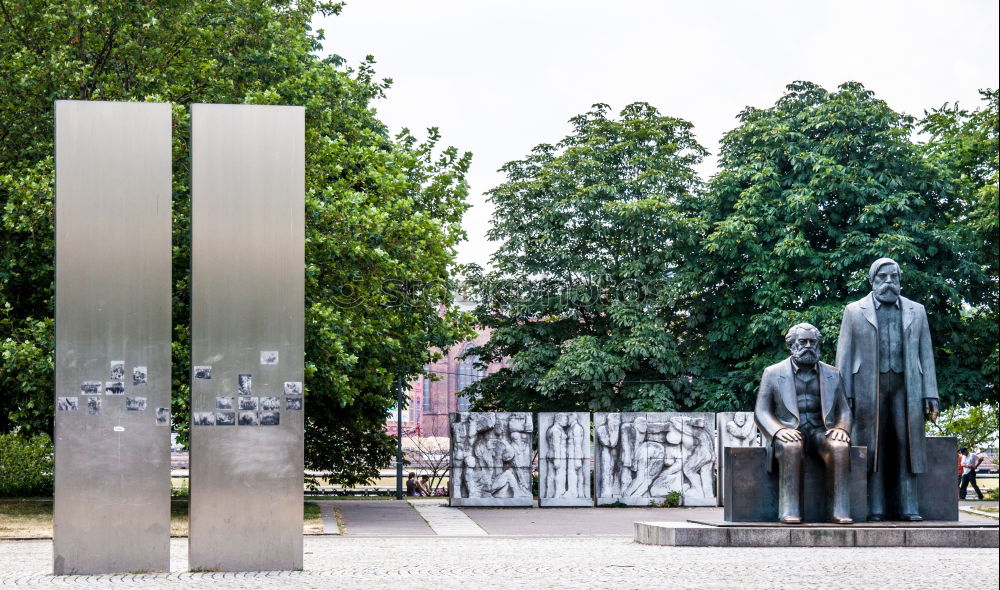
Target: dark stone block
{"type": "Point", "coordinates": [880, 537]}
{"type": "Point", "coordinates": [937, 538]}
{"type": "Point", "coordinates": [831, 537]}
{"type": "Point", "coordinates": [937, 490]}
{"type": "Point", "coordinates": [752, 492]}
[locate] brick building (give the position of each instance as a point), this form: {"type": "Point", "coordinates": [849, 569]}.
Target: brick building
{"type": "Point", "coordinates": [430, 400]}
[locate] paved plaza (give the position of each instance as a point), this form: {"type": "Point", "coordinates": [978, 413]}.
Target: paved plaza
{"type": "Point", "coordinates": [390, 544]}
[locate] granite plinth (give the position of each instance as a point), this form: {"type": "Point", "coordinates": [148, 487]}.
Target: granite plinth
{"type": "Point", "coordinates": [520, 502]}
{"type": "Point", "coordinates": [565, 502]}
{"type": "Point", "coordinates": [937, 494]}
{"type": "Point", "coordinates": [697, 534]}
{"type": "Point", "coordinates": [752, 492]}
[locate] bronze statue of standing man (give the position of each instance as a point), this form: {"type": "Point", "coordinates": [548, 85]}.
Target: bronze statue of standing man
{"type": "Point", "coordinates": [885, 356]}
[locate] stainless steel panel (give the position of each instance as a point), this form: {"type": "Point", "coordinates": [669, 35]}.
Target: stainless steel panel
{"type": "Point", "coordinates": [113, 250]}
{"type": "Point", "coordinates": [247, 297]}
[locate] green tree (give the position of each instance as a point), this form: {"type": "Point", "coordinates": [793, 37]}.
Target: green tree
{"type": "Point", "coordinates": [810, 192]}
{"type": "Point", "coordinates": [581, 299]}
{"type": "Point", "coordinates": [975, 426]}
{"type": "Point", "coordinates": [965, 144]}
{"type": "Point", "coordinates": [382, 214]}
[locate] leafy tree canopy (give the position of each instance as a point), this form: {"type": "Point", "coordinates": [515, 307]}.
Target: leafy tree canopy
{"type": "Point", "coordinates": [582, 299]}
{"type": "Point", "coordinates": [383, 214]}
{"type": "Point", "coordinates": [810, 192]}
{"type": "Point", "coordinates": [966, 145]}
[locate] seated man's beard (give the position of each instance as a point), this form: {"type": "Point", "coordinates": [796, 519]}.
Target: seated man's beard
{"type": "Point", "coordinates": [805, 357]}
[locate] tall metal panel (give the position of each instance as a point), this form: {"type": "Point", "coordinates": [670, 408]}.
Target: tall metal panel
{"type": "Point", "coordinates": [247, 297]}
{"type": "Point", "coordinates": [113, 250]}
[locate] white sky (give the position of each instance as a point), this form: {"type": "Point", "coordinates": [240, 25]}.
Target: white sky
{"type": "Point", "coordinates": [501, 77]}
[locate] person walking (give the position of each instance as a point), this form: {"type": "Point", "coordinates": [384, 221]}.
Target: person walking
{"type": "Point", "coordinates": [970, 463]}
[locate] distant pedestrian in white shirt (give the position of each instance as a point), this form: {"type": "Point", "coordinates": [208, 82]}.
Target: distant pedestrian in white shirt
{"type": "Point", "coordinates": [970, 463]}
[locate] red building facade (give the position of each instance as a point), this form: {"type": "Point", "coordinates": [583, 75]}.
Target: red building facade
{"type": "Point", "coordinates": [431, 399]}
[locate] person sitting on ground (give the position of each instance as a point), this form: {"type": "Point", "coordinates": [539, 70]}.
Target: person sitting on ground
{"type": "Point", "coordinates": [411, 484]}
{"type": "Point", "coordinates": [423, 486]}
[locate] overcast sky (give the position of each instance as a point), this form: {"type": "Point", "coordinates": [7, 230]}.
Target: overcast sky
{"type": "Point", "coordinates": [501, 77]}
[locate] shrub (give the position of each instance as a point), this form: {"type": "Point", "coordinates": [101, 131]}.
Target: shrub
{"type": "Point", "coordinates": [26, 465]}
{"type": "Point", "coordinates": [673, 499]}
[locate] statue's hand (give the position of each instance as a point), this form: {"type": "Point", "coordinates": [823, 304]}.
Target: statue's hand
{"type": "Point", "coordinates": [931, 409]}
{"type": "Point", "coordinates": [838, 434]}
{"type": "Point", "coordinates": [788, 435]}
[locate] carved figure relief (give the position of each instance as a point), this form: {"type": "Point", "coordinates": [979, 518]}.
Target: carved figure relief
{"type": "Point", "coordinates": [491, 459]}
{"type": "Point", "coordinates": [564, 459]}
{"type": "Point", "coordinates": [738, 429]}
{"type": "Point", "coordinates": [644, 456]}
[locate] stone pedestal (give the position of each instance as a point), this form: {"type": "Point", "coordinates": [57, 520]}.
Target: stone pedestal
{"type": "Point", "coordinates": [752, 493]}
{"type": "Point", "coordinates": [734, 429]}
{"type": "Point", "coordinates": [709, 534]}
{"type": "Point", "coordinates": [937, 490]}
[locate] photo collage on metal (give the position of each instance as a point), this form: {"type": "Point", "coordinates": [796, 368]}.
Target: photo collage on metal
{"type": "Point", "coordinates": [245, 408]}
{"type": "Point", "coordinates": [95, 392]}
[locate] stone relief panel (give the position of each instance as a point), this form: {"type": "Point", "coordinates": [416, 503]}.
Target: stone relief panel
{"type": "Point", "coordinates": [564, 459]}
{"type": "Point", "coordinates": [491, 459]}
{"type": "Point", "coordinates": [736, 429]}
{"type": "Point", "coordinates": [642, 457]}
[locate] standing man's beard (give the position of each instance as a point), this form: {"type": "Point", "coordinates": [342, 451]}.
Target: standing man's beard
{"type": "Point", "coordinates": [887, 293]}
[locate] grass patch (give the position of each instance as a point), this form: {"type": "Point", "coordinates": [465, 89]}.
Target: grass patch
{"type": "Point", "coordinates": [312, 522]}
{"type": "Point", "coordinates": [27, 518]}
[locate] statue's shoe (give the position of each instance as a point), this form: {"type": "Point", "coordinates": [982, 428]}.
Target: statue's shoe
{"type": "Point", "coordinates": [876, 517]}
{"type": "Point", "coordinates": [911, 517]}
{"type": "Point", "coordinates": [842, 520]}
{"type": "Point", "coordinates": [788, 519]}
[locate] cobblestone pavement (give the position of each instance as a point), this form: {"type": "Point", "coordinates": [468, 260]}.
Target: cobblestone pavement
{"type": "Point", "coordinates": [444, 563]}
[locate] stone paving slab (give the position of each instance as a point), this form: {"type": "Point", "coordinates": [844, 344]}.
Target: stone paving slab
{"type": "Point", "coordinates": [578, 521]}
{"type": "Point", "coordinates": [381, 518]}
{"type": "Point", "coordinates": [443, 563]}
{"type": "Point", "coordinates": [445, 520]}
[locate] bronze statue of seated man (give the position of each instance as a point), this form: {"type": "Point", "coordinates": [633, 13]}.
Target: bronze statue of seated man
{"type": "Point", "coordinates": [801, 408]}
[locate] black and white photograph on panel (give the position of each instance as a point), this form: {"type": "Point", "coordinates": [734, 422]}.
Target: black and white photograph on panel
{"type": "Point", "coordinates": [248, 403]}
{"type": "Point", "coordinates": [203, 372]}
{"type": "Point", "coordinates": [270, 403]}
{"type": "Point", "coordinates": [203, 418]}
{"type": "Point", "coordinates": [67, 404]}
{"type": "Point", "coordinates": [138, 375]}
{"type": "Point", "coordinates": [244, 384]}
{"type": "Point", "coordinates": [269, 357]}
{"type": "Point", "coordinates": [293, 403]}
{"type": "Point", "coordinates": [293, 388]}
{"type": "Point", "coordinates": [249, 419]}
{"type": "Point", "coordinates": [162, 416]}
{"type": "Point", "coordinates": [225, 403]}
{"type": "Point", "coordinates": [269, 418]}
{"type": "Point", "coordinates": [117, 370]}
{"type": "Point", "coordinates": [135, 404]}
{"type": "Point", "coordinates": [225, 418]}
{"type": "Point", "coordinates": [94, 406]}
{"type": "Point", "coordinates": [90, 387]}
{"type": "Point", "coordinates": [114, 388]}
